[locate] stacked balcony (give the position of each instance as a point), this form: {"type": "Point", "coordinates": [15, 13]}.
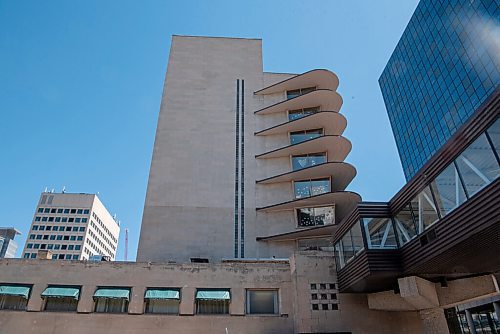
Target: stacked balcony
{"type": "Point", "coordinates": [316, 151]}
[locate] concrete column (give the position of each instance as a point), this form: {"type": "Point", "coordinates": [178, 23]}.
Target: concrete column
{"type": "Point", "coordinates": [86, 300]}
{"type": "Point", "coordinates": [35, 302]}
{"type": "Point", "coordinates": [237, 306]}
{"type": "Point", "coordinates": [470, 322]}
{"type": "Point", "coordinates": [496, 305]}
{"type": "Point", "coordinates": [186, 306]}
{"type": "Point", "coordinates": [136, 303]}
{"type": "Point", "coordinates": [434, 321]}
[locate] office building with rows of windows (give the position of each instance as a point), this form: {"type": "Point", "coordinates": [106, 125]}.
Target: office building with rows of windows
{"type": "Point", "coordinates": [71, 227]}
{"type": "Point", "coordinates": [444, 67]}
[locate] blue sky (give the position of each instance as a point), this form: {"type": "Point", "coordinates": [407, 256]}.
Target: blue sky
{"type": "Point", "coordinates": [81, 83]}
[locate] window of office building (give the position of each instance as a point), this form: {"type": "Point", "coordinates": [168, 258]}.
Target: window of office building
{"type": "Point", "coordinates": [262, 302]}
{"type": "Point", "coordinates": [307, 160]}
{"type": "Point", "coordinates": [478, 165]}
{"type": "Point", "coordinates": [299, 113]}
{"type": "Point", "coordinates": [14, 297]}
{"type": "Point", "coordinates": [290, 94]}
{"type": "Point", "coordinates": [164, 301]}
{"type": "Point", "coordinates": [379, 233]}
{"type": "Point", "coordinates": [308, 188]}
{"type": "Point", "coordinates": [61, 298]}
{"type": "Point", "coordinates": [307, 217]}
{"type": "Point", "coordinates": [301, 136]}
{"type": "Point", "coordinates": [111, 300]}
{"type": "Point", "coordinates": [212, 301]}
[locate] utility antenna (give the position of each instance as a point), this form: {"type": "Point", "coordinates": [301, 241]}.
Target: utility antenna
{"type": "Point", "coordinates": [45, 190]}
{"type": "Point", "coordinates": [126, 244]}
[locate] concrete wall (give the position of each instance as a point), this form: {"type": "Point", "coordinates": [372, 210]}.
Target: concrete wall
{"type": "Point", "coordinates": [291, 279]}
{"type": "Point", "coordinates": [189, 207]}
{"type": "Point", "coordinates": [139, 276]}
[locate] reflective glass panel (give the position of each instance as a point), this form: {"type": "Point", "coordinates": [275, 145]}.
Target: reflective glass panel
{"type": "Point", "coordinates": [301, 136]}
{"type": "Point", "coordinates": [478, 165]}
{"type": "Point", "coordinates": [311, 187]}
{"type": "Point", "coordinates": [357, 238]}
{"type": "Point", "coordinates": [292, 93]}
{"type": "Point", "coordinates": [299, 113]}
{"type": "Point", "coordinates": [380, 233]}
{"type": "Point", "coordinates": [262, 302]}
{"type": "Point", "coordinates": [448, 190]}
{"type": "Point", "coordinates": [302, 189]}
{"type": "Point", "coordinates": [320, 186]}
{"type": "Point", "coordinates": [307, 217]}
{"type": "Point", "coordinates": [324, 215]}
{"type": "Point", "coordinates": [339, 255]}
{"type": "Point", "coordinates": [347, 247]}
{"type": "Point", "coordinates": [304, 161]}
{"type": "Point", "coordinates": [424, 210]}
{"type": "Point", "coordinates": [405, 226]}
{"type": "Point", "coordinates": [494, 133]}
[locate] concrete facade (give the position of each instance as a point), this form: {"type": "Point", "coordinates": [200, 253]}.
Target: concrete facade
{"type": "Point", "coordinates": [191, 188]}
{"type": "Point", "coordinates": [72, 227]}
{"type": "Point", "coordinates": [292, 278]}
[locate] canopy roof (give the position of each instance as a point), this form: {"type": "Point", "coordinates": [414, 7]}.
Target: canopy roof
{"type": "Point", "coordinates": [320, 78]}
{"type": "Point", "coordinates": [162, 294]}
{"type": "Point", "coordinates": [112, 293]}
{"type": "Point", "coordinates": [332, 122]}
{"type": "Point", "coordinates": [61, 292]}
{"type": "Point", "coordinates": [337, 148]}
{"type": "Point", "coordinates": [344, 202]}
{"type": "Point", "coordinates": [213, 294]}
{"type": "Point", "coordinates": [341, 173]}
{"type": "Point", "coordinates": [10, 290]}
{"type": "Point", "coordinates": [324, 98]}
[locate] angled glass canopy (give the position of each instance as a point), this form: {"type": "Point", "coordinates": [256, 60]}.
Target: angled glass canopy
{"type": "Point", "coordinates": [162, 294]}
{"type": "Point", "coordinates": [61, 292]}
{"type": "Point", "coordinates": [9, 290]}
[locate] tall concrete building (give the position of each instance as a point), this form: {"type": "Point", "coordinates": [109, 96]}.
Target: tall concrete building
{"type": "Point", "coordinates": [71, 227]}
{"type": "Point", "coordinates": [444, 67]}
{"type": "Point", "coordinates": [246, 163]}
{"type": "Point", "coordinates": [8, 246]}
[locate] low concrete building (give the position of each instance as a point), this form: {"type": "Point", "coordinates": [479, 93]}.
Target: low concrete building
{"type": "Point", "coordinates": [272, 296]}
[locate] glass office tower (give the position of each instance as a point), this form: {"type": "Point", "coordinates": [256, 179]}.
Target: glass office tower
{"type": "Point", "coordinates": [445, 65]}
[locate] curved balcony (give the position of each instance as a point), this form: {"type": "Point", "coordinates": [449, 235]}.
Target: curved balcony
{"type": "Point", "coordinates": [337, 148]}
{"type": "Point", "coordinates": [319, 78]}
{"type": "Point", "coordinates": [332, 122]}
{"type": "Point", "coordinates": [344, 201]}
{"type": "Point", "coordinates": [325, 98]}
{"type": "Point", "coordinates": [341, 174]}
{"type": "Point", "coordinates": [311, 232]}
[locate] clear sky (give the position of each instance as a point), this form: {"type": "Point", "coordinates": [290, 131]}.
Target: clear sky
{"type": "Point", "coordinates": [81, 83]}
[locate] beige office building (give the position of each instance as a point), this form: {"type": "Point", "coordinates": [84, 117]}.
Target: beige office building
{"type": "Point", "coordinates": [71, 227]}
{"type": "Point", "coordinates": [245, 162]}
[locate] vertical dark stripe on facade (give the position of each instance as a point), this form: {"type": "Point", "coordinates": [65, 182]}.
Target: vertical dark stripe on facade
{"type": "Point", "coordinates": [237, 172]}
{"type": "Point", "coordinates": [242, 179]}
